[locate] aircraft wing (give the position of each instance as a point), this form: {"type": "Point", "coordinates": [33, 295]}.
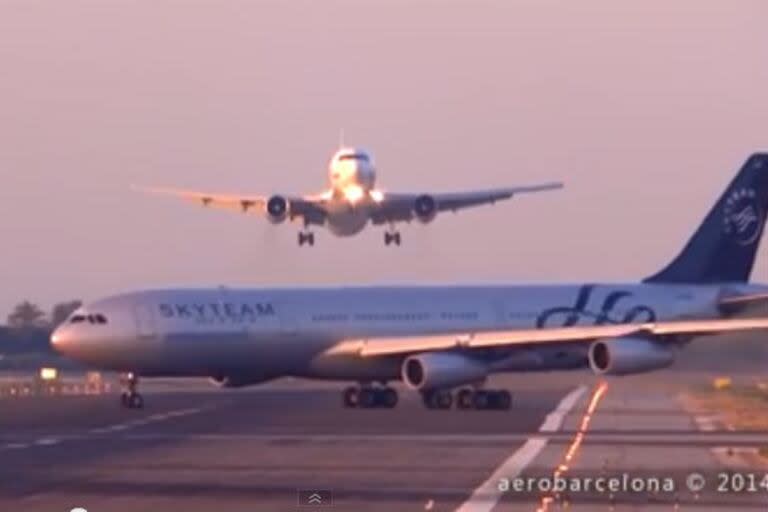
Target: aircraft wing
{"type": "Point", "coordinates": [576, 334]}
{"type": "Point", "coordinates": [307, 208]}
{"type": "Point", "coordinates": [397, 207]}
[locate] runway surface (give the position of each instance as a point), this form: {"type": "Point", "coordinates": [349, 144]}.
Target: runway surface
{"type": "Point", "coordinates": [197, 449]}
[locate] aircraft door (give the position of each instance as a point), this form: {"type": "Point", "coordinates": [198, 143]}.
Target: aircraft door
{"type": "Point", "coordinates": [145, 321]}
{"type": "Point", "coordinates": [288, 321]}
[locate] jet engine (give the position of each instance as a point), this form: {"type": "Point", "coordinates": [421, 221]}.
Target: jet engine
{"type": "Point", "coordinates": [624, 356]}
{"type": "Point", "coordinates": [440, 370]}
{"type": "Point", "coordinates": [238, 381]}
{"type": "Point", "coordinates": [425, 208]}
{"type": "Point", "coordinates": [277, 209]}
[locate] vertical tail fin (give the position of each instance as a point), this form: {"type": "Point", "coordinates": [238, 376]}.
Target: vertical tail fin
{"type": "Point", "coordinates": [725, 245]}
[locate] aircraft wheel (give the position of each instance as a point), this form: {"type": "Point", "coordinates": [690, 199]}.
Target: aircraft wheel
{"type": "Point", "coordinates": [503, 400]}
{"type": "Point", "coordinates": [388, 398]}
{"type": "Point", "coordinates": [351, 396]}
{"type": "Point", "coordinates": [306, 238]}
{"type": "Point", "coordinates": [392, 237]}
{"type": "Point", "coordinates": [367, 398]}
{"type": "Point", "coordinates": [444, 400]}
{"type": "Point", "coordinates": [437, 400]}
{"type": "Point", "coordinates": [464, 399]}
{"type": "Point", "coordinates": [133, 401]}
{"type": "Point", "coordinates": [481, 399]}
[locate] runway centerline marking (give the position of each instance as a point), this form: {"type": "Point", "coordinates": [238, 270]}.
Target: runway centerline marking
{"type": "Point", "coordinates": [16, 446]}
{"type": "Point", "coordinates": [487, 495]}
{"type": "Point", "coordinates": [47, 441]}
{"type": "Point", "coordinates": [155, 418]}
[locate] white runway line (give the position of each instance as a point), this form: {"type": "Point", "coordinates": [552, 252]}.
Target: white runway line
{"type": "Point", "coordinates": [16, 446]}
{"type": "Point", "coordinates": [425, 438]}
{"type": "Point", "coordinates": [47, 441]}
{"type": "Point", "coordinates": [487, 495]}
{"type": "Point", "coordinates": [706, 423]}
{"type": "Point", "coordinates": [155, 418]}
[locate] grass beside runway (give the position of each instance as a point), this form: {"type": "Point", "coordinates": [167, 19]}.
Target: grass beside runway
{"type": "Point", "coordinates": [742, 407]}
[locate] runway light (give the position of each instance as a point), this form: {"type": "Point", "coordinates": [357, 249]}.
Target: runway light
{"type": "Point", "coordinates": [597, 395]}
{"type": "Point", "coordinates": [48, 373]}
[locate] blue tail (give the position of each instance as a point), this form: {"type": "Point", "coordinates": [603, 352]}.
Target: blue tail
{"type": "Point", "coordinates": [725, 245]}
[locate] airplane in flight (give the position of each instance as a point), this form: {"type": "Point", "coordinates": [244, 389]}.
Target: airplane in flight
{"type": "Point", "coordinates": [352, 201]}
{"type": "Point", "coordinates": [437, 339]}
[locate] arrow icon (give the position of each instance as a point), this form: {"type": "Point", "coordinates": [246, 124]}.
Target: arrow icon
{"type": "Point", "coordinates": [315, 498]}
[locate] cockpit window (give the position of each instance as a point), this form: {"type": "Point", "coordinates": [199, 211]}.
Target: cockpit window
{"type": "Point", "coordinates": [355, 156]}
{"type": "Point", "coordinates": [97, 318]}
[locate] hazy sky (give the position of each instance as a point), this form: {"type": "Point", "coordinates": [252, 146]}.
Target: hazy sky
{"type": "Point", "coordinates": [646, 109]}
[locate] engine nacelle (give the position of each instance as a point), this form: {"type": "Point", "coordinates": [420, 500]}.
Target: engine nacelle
{"type": "Point", "coordinates": [238, 381]}
{"type": "Point", "coordinates": [425, 208]}
{"type": "Point", "coordinates": [277, 209]}
{"type": "Point", "coordinates": [624, 356]}
{"type": "Point", "coordinates": [440, 370]}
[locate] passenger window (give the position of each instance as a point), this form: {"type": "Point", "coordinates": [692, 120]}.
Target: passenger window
{"type": "Point", "coordinates": [77, 319]}
{"type": "Point", "coordinates": [100, 319]}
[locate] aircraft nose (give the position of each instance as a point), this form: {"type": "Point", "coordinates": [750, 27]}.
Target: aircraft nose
{"type": "Point", "coordinates": [62, 339]}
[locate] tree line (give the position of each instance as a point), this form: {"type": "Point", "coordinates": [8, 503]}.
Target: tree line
{"type": "Point", "coordinates": [27, 315]}
{"type": "Point", "coordinates": [28, 327]}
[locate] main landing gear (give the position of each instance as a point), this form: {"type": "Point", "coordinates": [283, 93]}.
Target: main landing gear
{"type": "Point", "coordinates": [130, 398]}
{"type": "Point", "coordinates": [392, 237]}
{"type": "Point", "coordinates": [368, 397]}
{"type": "Point", "coordinates": [306, 237]}
{"type": "Point", "coordinates": [465, 398]}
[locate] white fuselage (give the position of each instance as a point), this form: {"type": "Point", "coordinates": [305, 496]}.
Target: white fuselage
{"type": "Point", "coordinates": [352, 177]}
{"type": "Point", "coordinates": [267, 333]}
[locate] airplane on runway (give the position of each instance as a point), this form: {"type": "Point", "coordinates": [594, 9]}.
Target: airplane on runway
{"type": "Point", "coordinates": [437, 338]}
{"type": "Point", "coordinates": [352, 201]}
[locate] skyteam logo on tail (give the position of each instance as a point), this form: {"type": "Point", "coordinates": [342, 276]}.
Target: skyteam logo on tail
{"type": "Point", "coordinates": [742, 216]}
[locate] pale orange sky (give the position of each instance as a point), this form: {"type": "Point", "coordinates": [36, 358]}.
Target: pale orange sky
{"type": "Point", "coordinates": [646, 109]}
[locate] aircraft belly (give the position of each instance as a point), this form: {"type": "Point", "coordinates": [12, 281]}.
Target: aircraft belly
{"type": "Point", "coordinates": [347, 221]}
{"type": "Point", "coordinates": [212, 353]}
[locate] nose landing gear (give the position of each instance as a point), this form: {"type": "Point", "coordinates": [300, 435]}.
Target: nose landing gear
{"type": "Point", "coordinates": [130, 398]}
{"type": "Point", "coordinates": [391, 237]}
{"type": "Point", "coordinates": [306, 237]}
